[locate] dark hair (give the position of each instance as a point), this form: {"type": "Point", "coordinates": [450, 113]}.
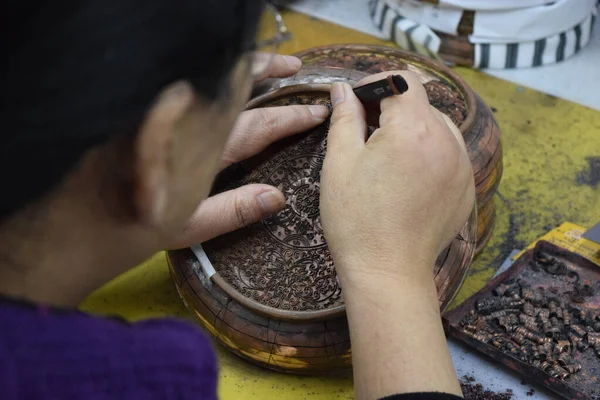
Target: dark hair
{"type": "Point", "coordinates": [79, 72]}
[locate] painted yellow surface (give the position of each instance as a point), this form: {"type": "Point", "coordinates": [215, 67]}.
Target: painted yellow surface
{"type": "Point", "coordinates": [570, 236]}
{"type": "Point", "coordinates": [546, 142]}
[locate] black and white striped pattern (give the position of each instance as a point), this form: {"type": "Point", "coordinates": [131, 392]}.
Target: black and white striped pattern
{"type": "Point", "coordinates": [405, 33]}
{"type": "Point", "coordinates": [421, 39]}
{"type": "Point", "coordinates": [549, 50]}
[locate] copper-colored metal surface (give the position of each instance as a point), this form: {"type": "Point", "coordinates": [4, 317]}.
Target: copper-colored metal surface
{"type": "Point", "coordinates": [479, 127]}
{"type": "Point", "coordinates": [283, 262]}
{"type": "Point", "coordinates": [275, 298]}
{"type": "Point", "coordinates": [456, 49]}
{"type": "Point", "coordinates": [374, 59]}
{"type": "Point", "coordinates": [299, 347]}
{"type": "Point", "coordinates": [559, 306]}
{"type": "Point", "coordinates": [269, 276]}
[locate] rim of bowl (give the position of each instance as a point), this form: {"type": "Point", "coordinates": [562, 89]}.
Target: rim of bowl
{"type": "Point", "coordinates": [434, 67]}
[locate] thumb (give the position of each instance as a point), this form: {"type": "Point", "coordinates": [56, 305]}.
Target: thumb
{"type": "Point", "coordinates": [228, 211]}
{"type": "Point", "coordinates": [348, 129]}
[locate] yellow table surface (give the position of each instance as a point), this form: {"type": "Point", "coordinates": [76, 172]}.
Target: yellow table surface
{"type": "Point", "coordinates": [546, 145]}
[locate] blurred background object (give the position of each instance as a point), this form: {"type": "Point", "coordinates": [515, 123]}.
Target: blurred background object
{"type": "Point", "coordinates": [491, 34]}
{"type": "Point", "coordinates": [576, 78]}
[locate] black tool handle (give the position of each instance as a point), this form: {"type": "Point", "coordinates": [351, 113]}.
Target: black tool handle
{"type": "Point", "coordinates": [375, 91]}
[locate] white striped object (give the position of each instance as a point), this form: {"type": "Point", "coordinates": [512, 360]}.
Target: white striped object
{"type": "Point", "coordinates": [527, 24]}
{"type": "Point", "coordinates": [494, 5]}
{"type": "Point", "coordinates": [441, 19]}
{"type": "Point", "coordinates": [408, 34]}
{"type": "Point", "coordinates": [495, 21]}
{"type": "Point", "coordinates": [548, 50]}
{"type": "Point", "coordinates": [419, 38]}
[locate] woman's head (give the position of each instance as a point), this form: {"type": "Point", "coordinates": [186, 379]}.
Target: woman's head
{"type": "Point", "coordinates": [79, 73]}
{"type": "Point", "coordinates": [118, 108]}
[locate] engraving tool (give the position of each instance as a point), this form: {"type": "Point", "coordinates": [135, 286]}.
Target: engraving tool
{"type": "Point", "coordinates": [375, 91]}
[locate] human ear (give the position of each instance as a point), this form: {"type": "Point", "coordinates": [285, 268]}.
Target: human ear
{"type": "Point", "coordinates": [153, 152]}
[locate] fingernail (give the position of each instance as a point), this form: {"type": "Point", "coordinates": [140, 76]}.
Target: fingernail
{"type": "Point", "coordinates": [319, 112]}
{"type": "Point", "coordinates": [270, 202]}
{"type": "Point", "coordinates": [338, 93]}
{"type": "Point", "coordinates": [292, 62]}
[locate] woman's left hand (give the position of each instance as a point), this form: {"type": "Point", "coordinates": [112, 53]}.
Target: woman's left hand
{"type": "Point", "coordinates": [253, 132]}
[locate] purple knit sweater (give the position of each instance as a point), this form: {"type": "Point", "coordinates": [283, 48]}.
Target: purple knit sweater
{"type": "Point", "coordinates": [62, 354]}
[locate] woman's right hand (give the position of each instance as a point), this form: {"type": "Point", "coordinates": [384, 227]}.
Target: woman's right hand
{"type": "Point", "coordinates": [389, 205]}
{"type": "Point", "coordinates": [403, 193]}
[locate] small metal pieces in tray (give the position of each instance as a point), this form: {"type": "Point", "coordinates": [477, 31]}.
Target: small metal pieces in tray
{"type": "Point", "coordinates": [540, 318]}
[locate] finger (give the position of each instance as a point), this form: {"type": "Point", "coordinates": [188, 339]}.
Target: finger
{"type": "Point", "coordinates": [348, 129]}
{"type": "Point", "coordinates": [279, 66]}
{"type": "Point", "coordinates": [229, 211]}
{"type": "Point", "coordinates": [256, 129]}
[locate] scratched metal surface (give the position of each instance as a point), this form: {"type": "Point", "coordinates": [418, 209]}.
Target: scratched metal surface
{"type": "Point", "coordinates": [547, 180]}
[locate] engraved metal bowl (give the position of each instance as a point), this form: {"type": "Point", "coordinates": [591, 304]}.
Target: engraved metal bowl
{"type": "Point", "coordinates": [269, 292]}
{"type": "Point", "coordinates": [478, 125]}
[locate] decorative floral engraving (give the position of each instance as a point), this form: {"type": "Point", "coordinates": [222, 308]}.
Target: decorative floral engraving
{"type": "Point", "coordinates": [283, 261]}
